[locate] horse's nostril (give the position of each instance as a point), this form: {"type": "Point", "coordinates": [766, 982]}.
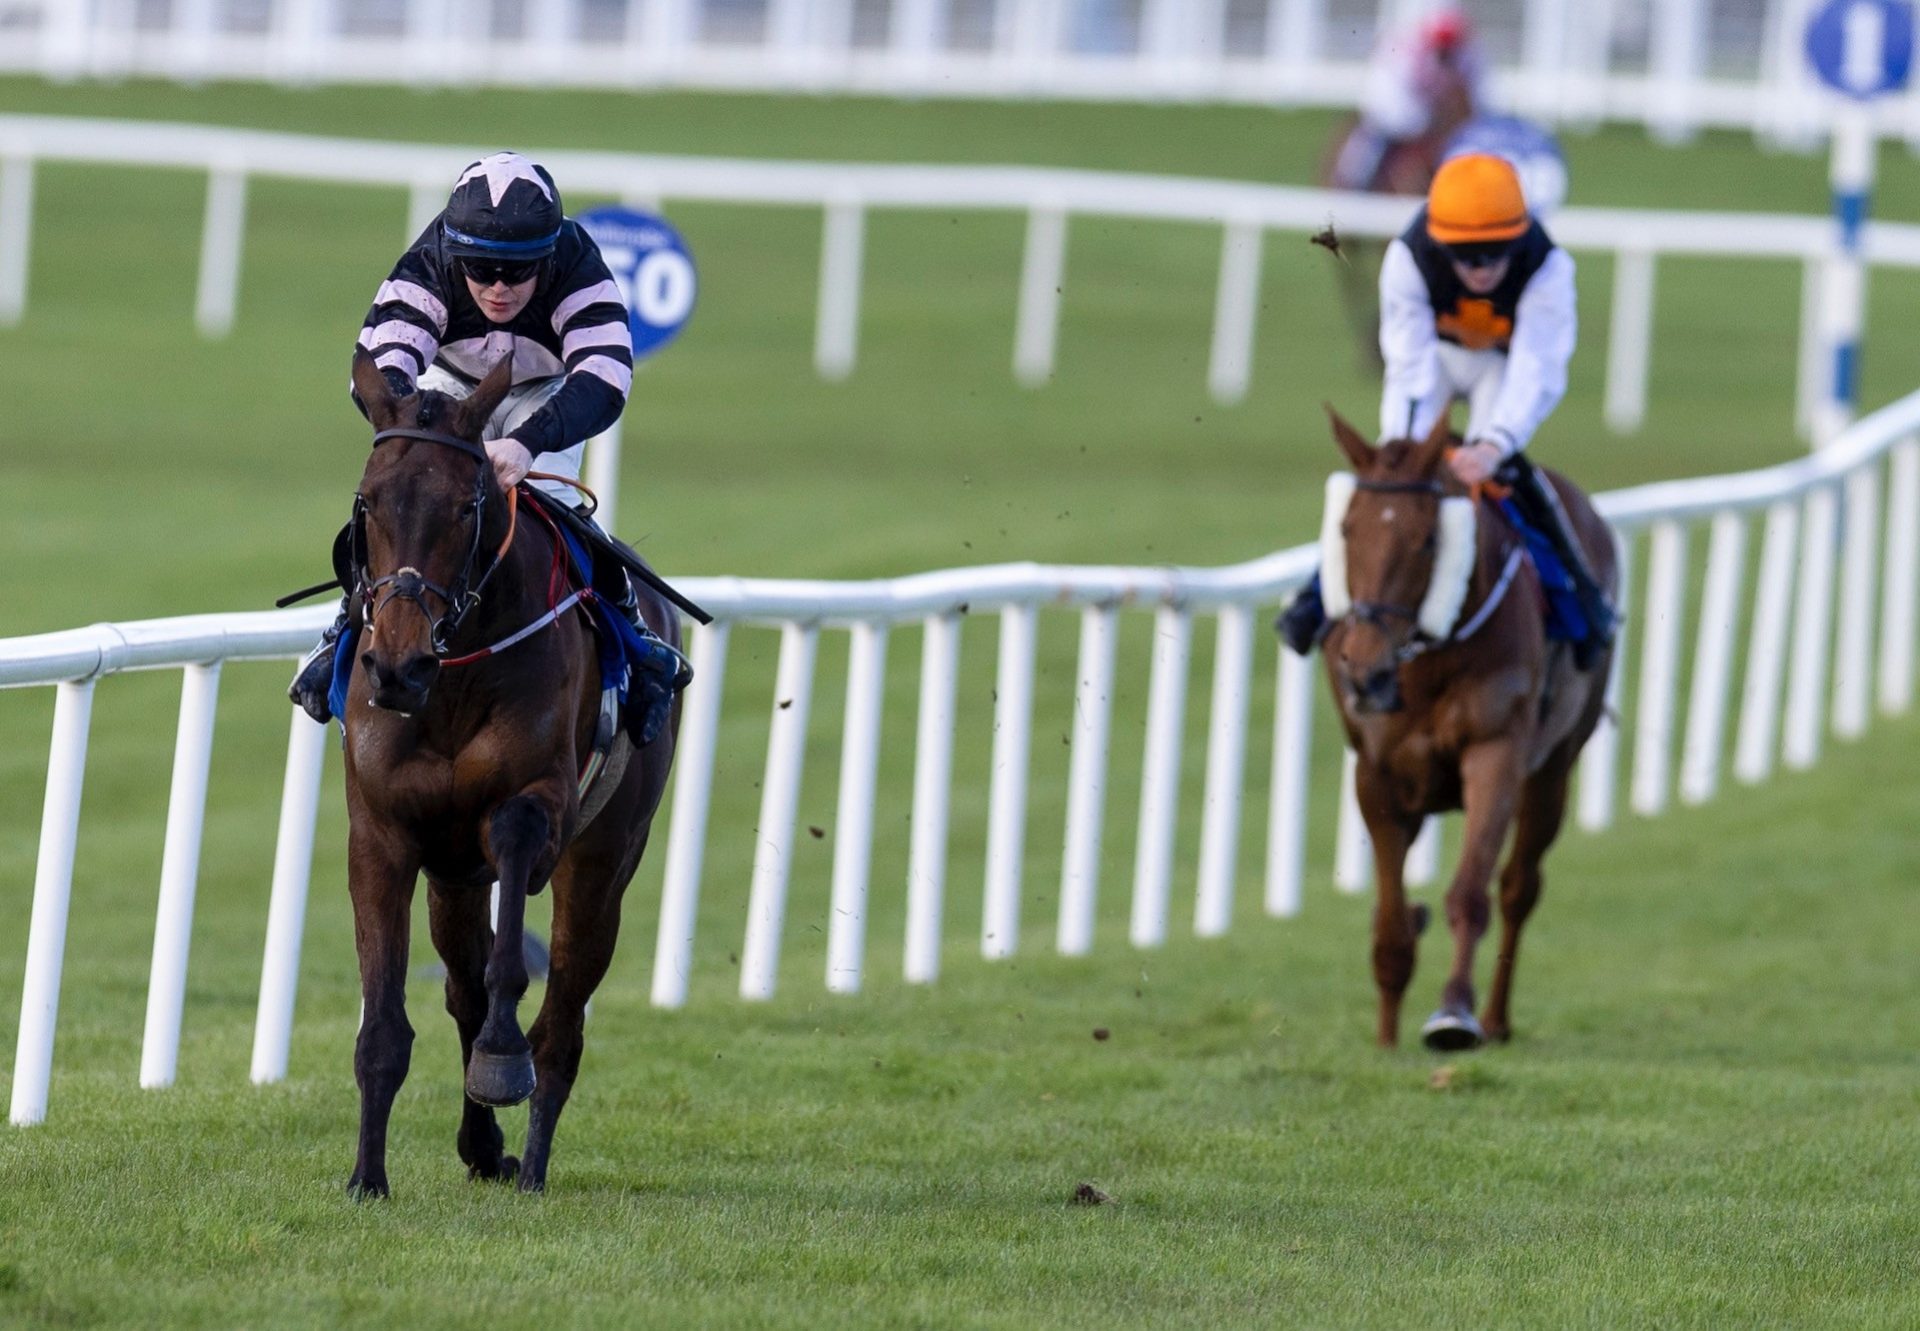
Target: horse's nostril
{"type": "Point", "coordinates": [419, 673]}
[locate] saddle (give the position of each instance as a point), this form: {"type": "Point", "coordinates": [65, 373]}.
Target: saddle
{"type": "Point", "coordinates": [1566, 621]}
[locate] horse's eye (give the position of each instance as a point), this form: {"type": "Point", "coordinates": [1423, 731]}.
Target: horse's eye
{"type": "Point", "coordinates": [468, 509]}
{"type": "Point", "coordinates": [1431, 544]}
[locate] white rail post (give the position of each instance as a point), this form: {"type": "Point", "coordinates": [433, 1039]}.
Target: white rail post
{"type": "Point", "coordinates": [932, 796]}
{"type": "Point", "coordinates": [1236, 311]}
{"type": "Point", "coordinates": [1713, 660]}
{"type": "Point", "coordinates": [300, 34]}
{"type": "Point", "coordinates": [1853, 652]}
{"type": "Point", "coordinates": [1042, 274]}
{"type": "Point", "coordinates": [837, 331]}
{"type": "Point", "coordinates": [1295, 34]}
{"type": "Point", "coordinates": [287, 900]}
{"type": "Point", "coordinates": [16, 232]}
{"type": "Point", "coordinates": [779, 803]}
{"type": "Point", "coordinates": [1423, 856]}
{"type": "Point", "coordinates": [1600, 759]}
{"type": "Point", "coordinates": [191, 40]}
{"type": "Point", "coordinates": [220, 244]}
{"type": "Point", "coordinates": [603, 474]}
{"type": "Point", "coordinates": [1630, 340]}
{"type": "Point", "coordinates": [1287, 811]}
{"type": "Point", "coordinates": [1675, 61]}
{"type": "Point", "coordinates": [1007, 800]}
{"type": "Point", "coordinates": [52, 891]}
{"type": "Point", "coordinates": [853, 823]}
{"type": "Point", "coordinates": [1543, 47]}
{"type": "Point", "coordinates": [1353, 844]}
{"type": "Point", "coordinates": [915, 37]}
{"type": "Point", "coordinates": [1659, 667]}
{"type": "Point", "coordinates": [692, 796]}
{"type": "Point", "coordinates": [1810, 373]}
{"type": "Point", "coordinates": [63, 41]}
{"type": "Point", "coordinates": [1087, 780]}
{"type": "Point", "coordinates": [1226, 768]}
{"type": "Point", "coordinates": [1812, 630]}
{"type": "Point", "coordinates": [1897, 584]}
{"type": "Point", "coordinates": [1160, 775]}
{"type": "Point", "coordinates": [179, 874]}
{"type": "Point", "coordinates": [425, 198]}
{"type": "Point", "coordinates": [1753, 749]}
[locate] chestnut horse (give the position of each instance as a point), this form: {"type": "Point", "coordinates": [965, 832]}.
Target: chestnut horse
{"type": "Point", "coordinates": [467, 772]}
{"type": "Point", "coordinates": [1452, 697]}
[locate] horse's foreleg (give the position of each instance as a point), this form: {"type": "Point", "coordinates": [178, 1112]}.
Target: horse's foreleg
{"type": "Point", "coordinates": [380, 879]}
{"type": "Point", "coordinates": [500, 1070]}
{"type": "Point", "coordinates": [1490, 775]}
{"type": "Point", "coordinates": [1396, 927]}
{"type": "Point", "coordinates": [586, 924]}
{"type": "Point", "coordinates": [1543, 804]}
{"type": "Point", "coordinates": [458, 919]}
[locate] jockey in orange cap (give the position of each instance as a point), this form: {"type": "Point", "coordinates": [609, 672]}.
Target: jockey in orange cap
{"type": "Point", "coordinates": [1476, 301]}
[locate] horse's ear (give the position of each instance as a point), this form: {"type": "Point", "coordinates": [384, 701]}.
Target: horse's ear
{"type": "Point", "coordinates": [1359, 452]}
{"type": "Point", "coordinates": [478, 405]}
{"type": "Point", "coordinates": [371, 387]}
{"type": "Point", "coordinates": [1433, 449]}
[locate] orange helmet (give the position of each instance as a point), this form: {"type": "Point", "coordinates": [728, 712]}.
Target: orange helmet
{"type": "Point", "coordinates": [1474, 199]}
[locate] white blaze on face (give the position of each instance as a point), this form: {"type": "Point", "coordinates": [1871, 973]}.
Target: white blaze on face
{"type": "Point", "coordinates": [1453, 559]}
{"type": "Point", "coordinates": [1334, 594]}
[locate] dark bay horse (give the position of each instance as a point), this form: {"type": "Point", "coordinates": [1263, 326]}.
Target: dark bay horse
{"type": "Point", "coordinates": [1452, 697]}
{"type": "Point", "coordinates": [466, 771]}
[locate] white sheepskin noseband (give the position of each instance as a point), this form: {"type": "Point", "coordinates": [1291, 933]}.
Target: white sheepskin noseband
{"type": "Point", "coordinates": [1453, 560]}
{"type": "Point", "coordinates": [1334, 594]}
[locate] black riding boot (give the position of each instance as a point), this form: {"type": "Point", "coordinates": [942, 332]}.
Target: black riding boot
{"type": "Point", "coordinates": [663, 671]}
{"type": "Point", "coordinates": [314, 678]}
{"type": "Point", "coordinates": [1540, 504]}
{"type": "Point", "coordinates": [1304, 622]}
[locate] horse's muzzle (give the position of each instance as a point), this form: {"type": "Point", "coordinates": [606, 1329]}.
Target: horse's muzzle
{"type": "Point", "coordinates": [1378, 691]}
{"type": "Point", "coordinates": [403, 688]}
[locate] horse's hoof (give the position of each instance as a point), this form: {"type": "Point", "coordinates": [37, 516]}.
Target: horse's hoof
{"type": "Point", "coordinates": [1448, 1032]}
{"type": "Point", "coordinates": [499, 1080]}
{"type": "Point", "coordinates": [367, 1190]}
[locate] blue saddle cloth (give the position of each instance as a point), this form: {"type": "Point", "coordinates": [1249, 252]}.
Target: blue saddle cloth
{"type": "Point", "coordinates": [1566, 622]}
{"type": "Point", "coordinates": [623, 650]}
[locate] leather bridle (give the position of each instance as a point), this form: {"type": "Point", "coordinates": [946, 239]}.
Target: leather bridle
{"type": "Point", "coordinates": [408, 583]}
{"type": "Point", "coordinates": [1381, 614]}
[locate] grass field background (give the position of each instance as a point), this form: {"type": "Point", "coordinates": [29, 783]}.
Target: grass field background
{"type": "Point", "coordinates": [1709, 1116]}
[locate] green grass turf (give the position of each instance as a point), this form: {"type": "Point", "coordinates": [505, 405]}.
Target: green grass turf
{"type": "Point", "coordinates": [1709, 1117]}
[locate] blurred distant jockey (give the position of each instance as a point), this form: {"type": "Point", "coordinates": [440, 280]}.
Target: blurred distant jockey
{"type": "Point", "coordinates": [1476, 301]}
{"type": "Point", "coordinates": [1422, 82]}
{"type": "Point", "coordinates": [503, 272]}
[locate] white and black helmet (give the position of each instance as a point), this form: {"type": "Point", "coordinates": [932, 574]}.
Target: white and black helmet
{"type": "Point", "coordinates": [505, 209]}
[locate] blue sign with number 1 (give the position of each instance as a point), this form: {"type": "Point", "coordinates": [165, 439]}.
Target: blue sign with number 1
{"type": "Point", "coordinates": [1862, 48]}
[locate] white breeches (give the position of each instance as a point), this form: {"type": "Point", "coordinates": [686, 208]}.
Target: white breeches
{"type": "Point", "coordinates": [1473, 375]}
{"type": "Point", "coordinates": [521, 401]}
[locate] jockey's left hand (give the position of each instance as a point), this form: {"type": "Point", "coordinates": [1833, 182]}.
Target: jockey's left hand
{"type": "Point", "coordinates": [1476, 462]}
{"type": "Point", "coordinates": [510, 459]}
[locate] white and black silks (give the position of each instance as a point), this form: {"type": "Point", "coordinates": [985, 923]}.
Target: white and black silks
{"type": "Point", "coordinates": [575, 325]}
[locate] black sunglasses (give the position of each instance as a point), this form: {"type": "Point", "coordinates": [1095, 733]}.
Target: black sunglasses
{"type": "Point", "coordinates": [487, 271]}
{"type": "Point", "coordinates": [1479, 256]}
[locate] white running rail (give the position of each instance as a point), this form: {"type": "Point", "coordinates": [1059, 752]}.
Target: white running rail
{"type": "Point", "coordinates": [1872, 470]}
{"type": "Point", "coordinates": [845, 192]}
{"type": "Point", "coordinates": [1673, 65]}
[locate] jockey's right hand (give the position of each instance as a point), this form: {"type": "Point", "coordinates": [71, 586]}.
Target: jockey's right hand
{"type": "Point", "coordinates": [510, 459]}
